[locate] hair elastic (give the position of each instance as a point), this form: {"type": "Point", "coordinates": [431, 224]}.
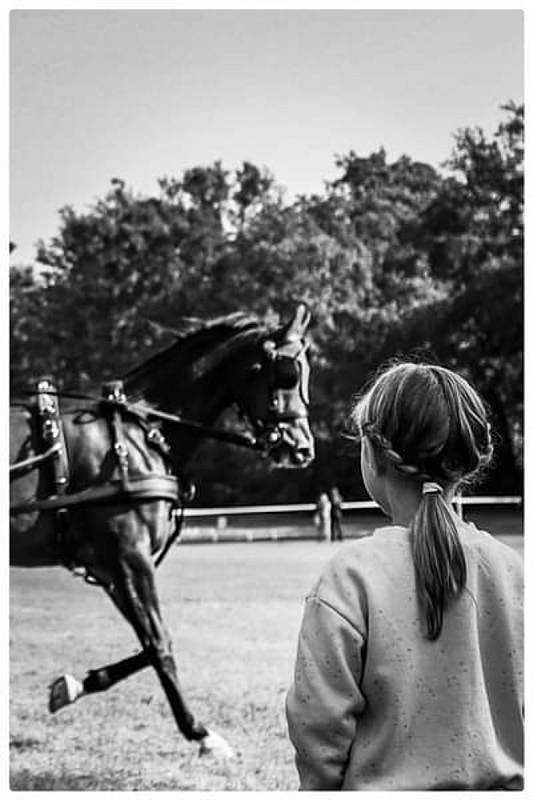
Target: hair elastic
{"type": "Point", "coordinates": [428, 487]}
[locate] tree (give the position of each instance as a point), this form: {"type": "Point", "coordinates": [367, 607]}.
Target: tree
{"type": "Point", "coordinates": [472, 234]}
{"type": "Point", "coordinates": [129, 260]}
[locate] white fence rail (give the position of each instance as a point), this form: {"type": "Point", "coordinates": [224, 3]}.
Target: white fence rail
{"type": "Point", "coordinates": [296, 520]}
{"type": "Point", "coordinates": [356, 505]}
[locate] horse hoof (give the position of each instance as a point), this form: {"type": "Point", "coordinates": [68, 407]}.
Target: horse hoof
{"type": "Point", "coordinates": [64, 691]}
{"type": "Point", "coordinates": [214, 744]}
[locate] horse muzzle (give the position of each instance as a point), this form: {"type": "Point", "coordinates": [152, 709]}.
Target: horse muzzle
{"type": "Point", "coordinates": [290, 446]}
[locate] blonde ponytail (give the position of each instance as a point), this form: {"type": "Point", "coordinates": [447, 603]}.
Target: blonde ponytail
{"type": "Point", "coordinates": [439, 559]}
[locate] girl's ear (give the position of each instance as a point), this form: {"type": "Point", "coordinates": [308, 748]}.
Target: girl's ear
{"type": "Point", "coordinates": [373, 457]}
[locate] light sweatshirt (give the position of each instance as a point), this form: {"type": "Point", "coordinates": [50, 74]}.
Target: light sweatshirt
{"type": "Point", "coordinates": [377, 706]}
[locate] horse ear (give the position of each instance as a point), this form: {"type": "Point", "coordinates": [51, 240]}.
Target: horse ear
{"type": "Point", "coordinates": [300, 320]}
{"type": "Point", "coordinates": [186, 326]}
{"type": "Point", "coordinates": [162, 330]}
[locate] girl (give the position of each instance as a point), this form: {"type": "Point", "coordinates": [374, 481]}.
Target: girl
{"type": "Point", "coordinates": [409, 666]}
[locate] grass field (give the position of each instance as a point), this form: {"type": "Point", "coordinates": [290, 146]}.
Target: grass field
{"type": "Point", "coordinates": [233, 610]}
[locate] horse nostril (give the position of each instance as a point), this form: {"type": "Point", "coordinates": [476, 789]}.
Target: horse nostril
{"type": "Point", "coordinates": [273, 437]}
{"type": "Point", "coordinates": [303, 455]}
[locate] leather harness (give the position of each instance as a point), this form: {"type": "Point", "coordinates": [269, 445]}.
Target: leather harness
{"type": "Point", "coordinates": [127, 487]}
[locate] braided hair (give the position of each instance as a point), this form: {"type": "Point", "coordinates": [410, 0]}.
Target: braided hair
{"type": "Point", "coordinates": [431, 426]}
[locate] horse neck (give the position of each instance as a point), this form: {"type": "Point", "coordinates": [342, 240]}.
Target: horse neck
{"type": "Point", "coordinates": [200, 399]}
{"type": "Point", "coordinates": [196, 377]}
{"type": "Point", "coordinates": [202, 402]}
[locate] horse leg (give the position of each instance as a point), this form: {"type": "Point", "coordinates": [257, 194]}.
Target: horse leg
{"type": "Point", "coordinates": [135, 596]}
{"type": "Point", "coordinates": [67, 689]}
{"type": "Point", "coordinates": [135, 592]}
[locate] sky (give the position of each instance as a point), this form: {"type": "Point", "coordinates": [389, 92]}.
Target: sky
{"type": "Point", "coordinates": [140, 95]}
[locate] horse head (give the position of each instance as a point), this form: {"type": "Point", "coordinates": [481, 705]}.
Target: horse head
{"type": "Point", "coordinates": [234, 360]}
{"type": "Point", "coordinates": [274, 393]}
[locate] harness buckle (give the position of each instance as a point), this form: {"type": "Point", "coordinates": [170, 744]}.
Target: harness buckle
{"type": "Point", "coordinates": [114, 392]}
{"type": "Point", "coordinates": [52, 430]}
{"type": "Point", "coordinates": [156, 438]}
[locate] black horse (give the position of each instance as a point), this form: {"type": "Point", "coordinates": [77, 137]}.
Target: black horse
{"type": "Point", "coordinates": [96, 484]}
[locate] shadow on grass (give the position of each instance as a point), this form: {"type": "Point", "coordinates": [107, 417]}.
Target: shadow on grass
{"type": "Point", "coordinates": [23, 780]}
{"type": "Point", "coordinates": [24, 743]}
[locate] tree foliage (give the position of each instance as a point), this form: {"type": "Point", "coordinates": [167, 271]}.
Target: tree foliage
{"type": "Point", "coordinates": [395, 260]}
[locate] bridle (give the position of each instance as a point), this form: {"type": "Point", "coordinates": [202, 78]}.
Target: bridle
{"type": "Point", "coordinates": [286, 367]}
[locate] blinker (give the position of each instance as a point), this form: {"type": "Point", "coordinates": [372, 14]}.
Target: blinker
{"type": "Point", "coordinates": [287, 373]}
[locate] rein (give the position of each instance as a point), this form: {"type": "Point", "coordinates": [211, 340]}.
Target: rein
{"type": "Point", "coordinates": [20, 467]}
{"type": "Point", "coordinates": [241, 439]}
{"type": "Point", "coordinates": [133, 488]}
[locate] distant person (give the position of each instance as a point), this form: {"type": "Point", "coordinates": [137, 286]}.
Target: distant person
{"type": "Point", "coordinates": [336, 515]}
{"type": "Point", "coordinates": [323, 517]}
{"type": "Point", "coordinates": [409, 670]}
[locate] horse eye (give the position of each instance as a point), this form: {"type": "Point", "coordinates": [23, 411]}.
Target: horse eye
{"type": "Point", "coordinates": [254, 369]}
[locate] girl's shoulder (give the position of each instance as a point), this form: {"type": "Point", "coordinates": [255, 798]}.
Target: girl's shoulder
{"type": "Point", "coordinates": [375, 541]}
{"type": "Point", "coordinates": [351, 574]}
{"type": "Point", "coordinates": [362, 556]}
{"type": "Point", "coordinates": [488, 548]}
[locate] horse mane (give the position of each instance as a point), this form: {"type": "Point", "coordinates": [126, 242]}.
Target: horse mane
{"type": "Point", "coordinates": [199, 347]}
